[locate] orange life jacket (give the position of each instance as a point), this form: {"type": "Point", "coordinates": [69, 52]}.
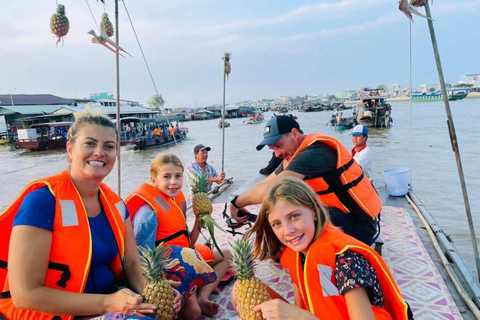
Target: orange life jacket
{"type": "Point", "coordinates": [71, 250]}
{"type": "Point", "coordinates": [172, 226]}
{"type": "Point", "coordinates": [346, 187]}
{"type": "Point", "coordinates": [317, 284]}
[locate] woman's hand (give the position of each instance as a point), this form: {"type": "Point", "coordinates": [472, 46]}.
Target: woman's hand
{"type": "Point", "coordinates": [277, 309]}
{"type": "Point", "coordinates": [127, 300]}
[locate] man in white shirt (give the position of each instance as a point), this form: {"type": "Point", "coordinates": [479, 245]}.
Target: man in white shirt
{"type": "Point", "coordinates": [361, 152]}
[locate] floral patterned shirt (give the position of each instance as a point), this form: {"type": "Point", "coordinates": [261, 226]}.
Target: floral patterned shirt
{"type": "Point", "coordinates": [352, 270]}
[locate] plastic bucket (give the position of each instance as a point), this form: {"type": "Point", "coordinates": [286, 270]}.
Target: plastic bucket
{"type": "Point", "coordinates": [396, 180]}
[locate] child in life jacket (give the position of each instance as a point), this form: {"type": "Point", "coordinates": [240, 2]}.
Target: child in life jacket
{"type": "Point", "coordinates": [335, 276]}
{"type": "Point", "coordinates": [158, 212]}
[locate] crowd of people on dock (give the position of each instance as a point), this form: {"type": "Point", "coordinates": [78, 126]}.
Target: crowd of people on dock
{"type": "Point", "coordinates": [68, 243]}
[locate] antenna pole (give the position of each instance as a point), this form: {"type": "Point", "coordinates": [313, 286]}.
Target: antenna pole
{"type": "Point", "coordinates": [453, 139]}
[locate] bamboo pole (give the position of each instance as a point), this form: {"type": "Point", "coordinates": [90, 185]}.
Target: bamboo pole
{"type": "Point", "coordinates": [119, 126]}
{"type": "Point", "coordinates": [453, 139]}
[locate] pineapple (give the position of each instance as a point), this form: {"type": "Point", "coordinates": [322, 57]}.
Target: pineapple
{"type": "Point", "coordinates": [59, 23]}
{"type": "Point", "coordinates": [202, 206]}
{"type": "Point", "coordinates": [227, 68]}
{"type": "Point", "coordinates": [158, 290]}
{"type": "Point", "coordinates": [106, 25]}
{"type": "Point", "coordinates": [250, 291]}
{"type": "Point", "coordinates": [201, 202]}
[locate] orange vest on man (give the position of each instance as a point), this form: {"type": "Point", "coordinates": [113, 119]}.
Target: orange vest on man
{"type": "Point", "coordinates": [346, 187]}
{"type": "Point", "coordinates": [71, 251]}
{"type": "Point", "coordinates": [171, 212]}
{"type": "Point", "coordinates": [317, 284]}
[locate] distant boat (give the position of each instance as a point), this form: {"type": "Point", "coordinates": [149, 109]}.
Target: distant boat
{"type": "Point", "coordinates": [226, 124]}
{"type": "Point", "coordinates": [43, 136]}
{"type": "Point", "coordinates": [375, 112]}
{"type": "Point", "coordinates": [454, 94]}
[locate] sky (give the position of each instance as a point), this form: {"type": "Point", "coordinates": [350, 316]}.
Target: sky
{"type": "Point", "coordinates": [279, 48]}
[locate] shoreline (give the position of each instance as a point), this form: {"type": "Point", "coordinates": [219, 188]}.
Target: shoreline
{"type": "Point", "coordinates": [471, 95]}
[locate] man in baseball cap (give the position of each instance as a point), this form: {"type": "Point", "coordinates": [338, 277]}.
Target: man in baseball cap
{"type": "Point", "coordinates": [200, 152]}
{"type": "Point", "coordinates": [327, 166]}
{"type": "Point", "coordinates": [361, 152]}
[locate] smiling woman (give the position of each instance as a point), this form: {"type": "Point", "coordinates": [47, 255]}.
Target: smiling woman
{"type": "Point", "coordinates": [77, 233]}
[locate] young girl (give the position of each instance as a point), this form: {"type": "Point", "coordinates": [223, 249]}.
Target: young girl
{"type": "Point", "coordinates": [158, 215]}
{"type": "Point", "coordinates": [335, 276]}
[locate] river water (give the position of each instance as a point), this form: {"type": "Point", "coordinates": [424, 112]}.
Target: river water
{"type": "Point", "coordinates": [418, 139]}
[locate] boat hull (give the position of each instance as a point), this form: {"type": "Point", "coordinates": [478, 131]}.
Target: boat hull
{"type": "Point", "coordinates": [155, 142]}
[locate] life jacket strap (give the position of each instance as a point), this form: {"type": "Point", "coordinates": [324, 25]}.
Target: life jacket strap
{"type": "Point", "coordinates": [66, 273]}
{"type": "Point", "coordinates": [5, 295]}
{"type": "Point", "coordinates": [3, 264]}
{"type": "Point", "coordinates": [171, 237]}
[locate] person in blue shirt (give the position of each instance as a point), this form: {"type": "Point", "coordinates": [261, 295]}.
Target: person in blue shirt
{"type": "Point", "coordinates": [92, 148]}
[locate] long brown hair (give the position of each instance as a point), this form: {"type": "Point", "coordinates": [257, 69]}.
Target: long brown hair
{"type": "Point", "coordinates": [88, 117]}
{"type": "Point", "coordinates": [163, 159]}
{"type": "Point", "coordinates": [289, 189]}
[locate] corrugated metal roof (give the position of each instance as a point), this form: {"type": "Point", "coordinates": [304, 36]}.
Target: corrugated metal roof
{"type": "Point", "coordinates": [29, 110]}
{"type": "Point", "coordinates": [33, 99]}
{"type": "Point", "coordinates": [124, 109]}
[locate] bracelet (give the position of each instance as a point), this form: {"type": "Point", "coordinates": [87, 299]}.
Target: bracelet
{"type": "Point", "coordinates": [233, 202]}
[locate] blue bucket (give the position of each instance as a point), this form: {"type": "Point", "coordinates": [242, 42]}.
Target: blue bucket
{"type": "Point", "coordinates": [396, 180]}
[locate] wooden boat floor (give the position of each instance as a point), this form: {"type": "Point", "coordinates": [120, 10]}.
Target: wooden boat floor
{"type": "Point", "coordinates": [416, 274]}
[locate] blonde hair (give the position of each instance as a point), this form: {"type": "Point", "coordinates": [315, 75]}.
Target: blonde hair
{"type": "Point", "coordinates": [295, 191]}
{"type": "Point", "coordinates": [88, 117]}
{"type": "Point", "coordinates": [163, 159]}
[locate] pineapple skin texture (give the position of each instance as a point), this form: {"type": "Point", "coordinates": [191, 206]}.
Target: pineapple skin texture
{"type": "Point", "coordinates": [250, 293]}
{"type": "Point", "coordinates": [201, 204]}
{"type": "Point", "coordinates": [59, 25]}
{"type": "Point", "coordinates": [160, 294]}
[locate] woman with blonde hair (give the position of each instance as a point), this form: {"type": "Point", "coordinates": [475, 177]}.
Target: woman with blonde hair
{"type": "Point", "coordinates": [67, 239]}
{"type": "Point", "coordinates": [335, 276]}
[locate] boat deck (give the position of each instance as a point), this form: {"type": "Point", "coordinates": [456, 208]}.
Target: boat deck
{"type": "Point", "coordinates": [407, 251]}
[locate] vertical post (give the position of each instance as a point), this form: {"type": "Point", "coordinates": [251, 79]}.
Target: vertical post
{"type": "Point", "coordinates": [119, 127]}
{"type": "Point", "coordinates": [453, 138]}
{"type": "Point", "coordinates": [223, 122]}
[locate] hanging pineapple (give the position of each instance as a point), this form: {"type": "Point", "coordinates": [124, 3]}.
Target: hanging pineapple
{"type": "Point", "coordinates": [106, 25]}
{"type": "Point", "coordinates": [227, 68]}
{"type": "Point", "coordinates": [250, 291]}
{"type": "Point", "coordinates": [419, 3]}
{"type": "Point", "coordinates": [59, 23]}
{"type": "Point", "coordinates": [158, 290]}
{"type": "Point", "coordinates": [202, 206]}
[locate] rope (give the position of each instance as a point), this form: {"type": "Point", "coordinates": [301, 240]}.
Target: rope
{"type": "Point", "coordinates": [93, 17]}
{"type": "Point", "coordinates": [150, 73]}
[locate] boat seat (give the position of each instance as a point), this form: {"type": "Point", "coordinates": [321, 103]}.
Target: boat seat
{"type": "Point", "coordinates": [377, 245]}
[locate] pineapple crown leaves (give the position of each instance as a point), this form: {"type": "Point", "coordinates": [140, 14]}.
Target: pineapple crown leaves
{"type": "Point", "coordinates": [210, 223]}
{"type": "Point", "coordinates": [242, 259]}
{"type": "Point", "coordinates": [61, 9]}
{"type": "Point", "coordinates": [226, 57]}
{"type": "Point", "coordinates": [200, 182]}
{"type": "Point", "coordinates": [153, 262]}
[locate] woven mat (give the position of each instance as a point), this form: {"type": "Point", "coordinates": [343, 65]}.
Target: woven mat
{"type": "Point", "coordinates": [420, 282]}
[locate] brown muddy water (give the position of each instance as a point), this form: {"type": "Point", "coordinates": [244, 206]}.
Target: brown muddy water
{"type": "Point", "coordinates": [418, 139]}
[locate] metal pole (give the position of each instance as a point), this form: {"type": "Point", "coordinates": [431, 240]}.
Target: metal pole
{"type": "Point", "coordinates": [11, 97]}
{"type": "Point", "coordinates": [453, 139]}
{"type": "Point", "coordinates": [119, 127]}
{"type": "Point", "coordinates": [223, 122]}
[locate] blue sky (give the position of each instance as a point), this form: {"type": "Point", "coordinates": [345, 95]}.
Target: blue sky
{"type": "Point", "coordinates": [280, 47]}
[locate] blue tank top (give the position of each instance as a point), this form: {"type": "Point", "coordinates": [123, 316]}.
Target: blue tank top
{"type": "Point", "coordinates": [38, 210]}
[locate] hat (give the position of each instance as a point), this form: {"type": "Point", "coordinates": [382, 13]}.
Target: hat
{"type": "Point", "coordinates": [200, 147]}
{"type": "Point", "coordinates": [359, 130]}
{"type": "Point", "coordinates": [276, 128]}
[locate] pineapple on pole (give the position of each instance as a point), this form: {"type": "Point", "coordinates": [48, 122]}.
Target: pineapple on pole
{"type": "Point", "coordinates": [250, 291]}
{"type": "Point", "coordinates": [226, 71]}
{"type": "Point", "coordinates": [59, 24]}
{"type": "Point", "coordinates": [158, 290]}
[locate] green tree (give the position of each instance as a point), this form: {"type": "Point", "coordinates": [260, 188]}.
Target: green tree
{"type": "Point", "coordinates": [431, 90]}
{"type": "Point", "coordinates": [156, 102]}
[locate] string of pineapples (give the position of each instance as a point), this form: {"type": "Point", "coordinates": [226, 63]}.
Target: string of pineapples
{"type": "Point", "coordinates": [60, 25]}
{"type": "Point", "coordinates": [202, 206]}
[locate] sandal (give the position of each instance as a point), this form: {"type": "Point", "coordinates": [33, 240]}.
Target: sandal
{"type": "Point", "coordinates": [227, 277]}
